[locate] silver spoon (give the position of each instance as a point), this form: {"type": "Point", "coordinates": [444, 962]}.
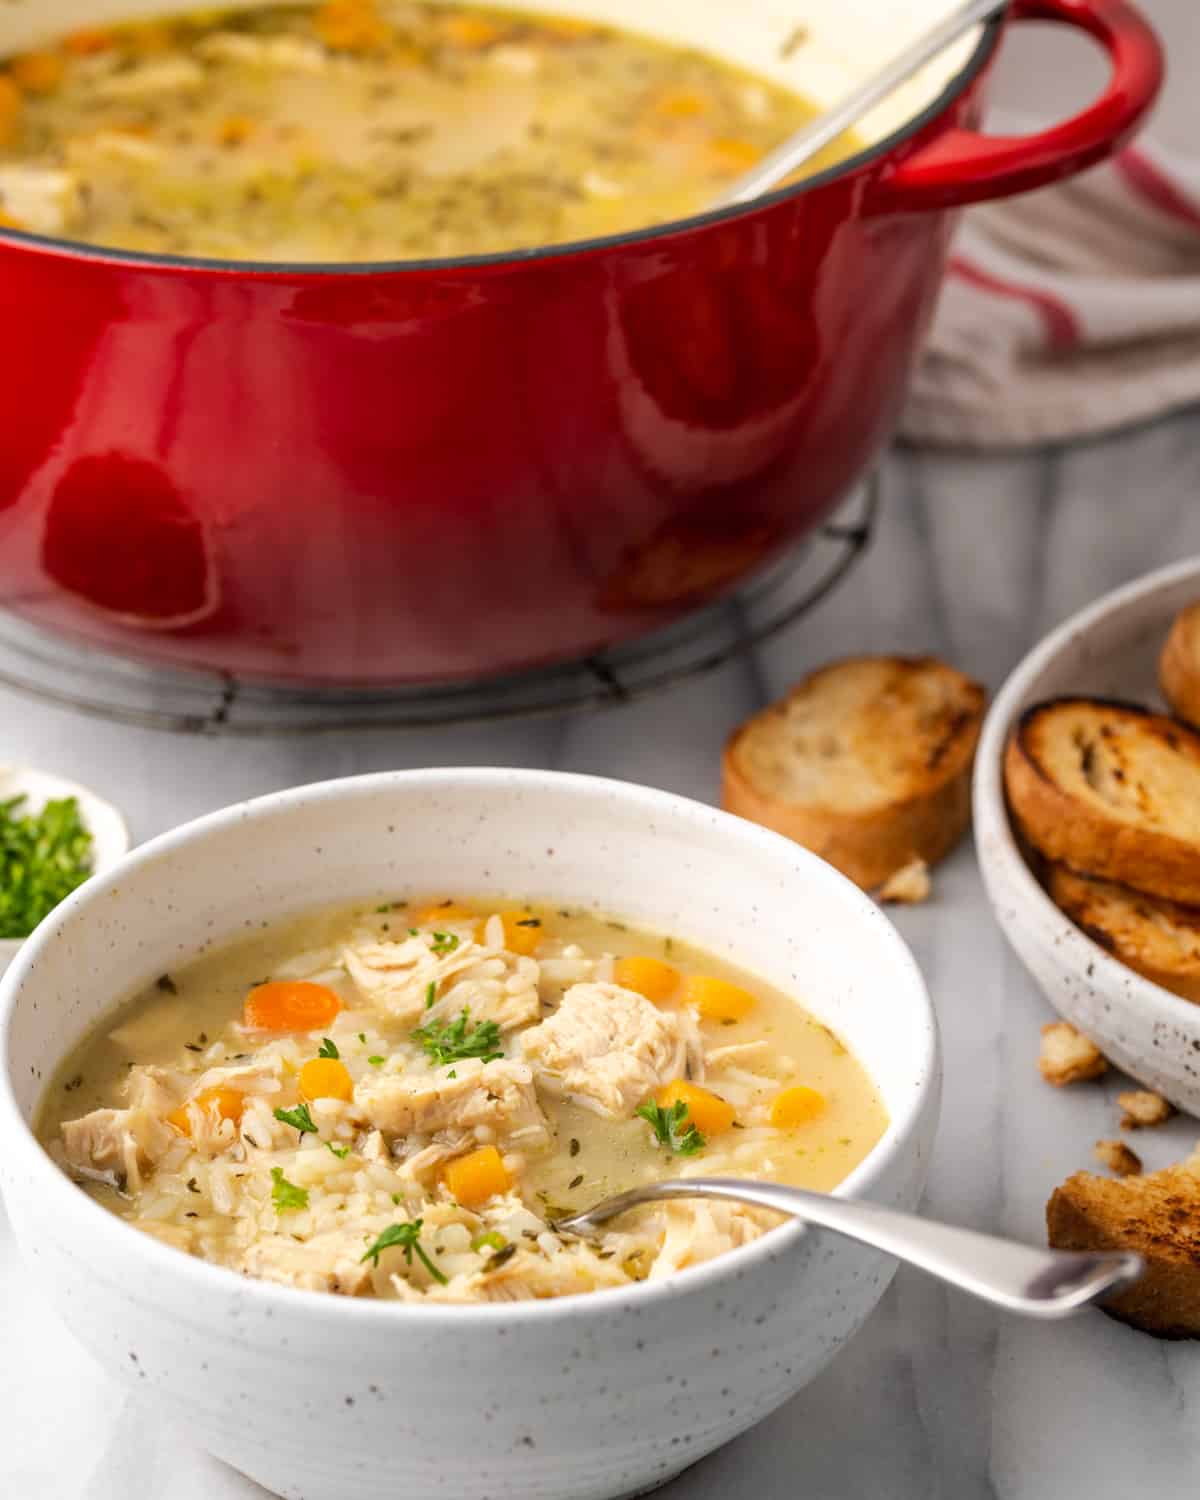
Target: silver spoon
{"type": "Point", "coordinates": [1020, 1278]}
{"type": "Point", "coordinates": [807, 142]}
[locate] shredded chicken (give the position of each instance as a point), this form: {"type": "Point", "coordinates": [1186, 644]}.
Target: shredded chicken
{"type": "Point", "coordinates": [330, 1262]}
{"type": "Point", "coordinates": [123, 1143]}
{"type": "Point", "coordinates": [606, 1048]}
{"type": "Point", "coordinates": [492, 984]}
{"type": "Point", "coordinates": [496, 1095]}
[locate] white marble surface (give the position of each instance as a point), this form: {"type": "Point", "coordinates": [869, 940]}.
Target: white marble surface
{"type": "Point", "coordinates": [936, 1397]}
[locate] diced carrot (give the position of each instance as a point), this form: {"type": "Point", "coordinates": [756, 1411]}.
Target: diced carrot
{"type": "Point", "coordinates": [523, 932]}
{"type": "Point", "coordinates": [681, 104]}
{"type": "Point", "coordinates": [38, 72]}
{"type": "Point", "coordinates": [12, 102]}
{"type": "Point", "coordinates": [235, 130]}
{"type": "Point", "coordinates": [650, 977]}
{"type": "Point", "coordinates": [480, 1175]}
{"type": "Point", "coordinates": [290, 1005]}
{"type": "Point", "coordinates": [708, 1112]}
{"type": "Point", "coordinates": [796, 1106]}
{"type": "Point", "coordinates": [150, 38]}
{"type": "Point", "coordinates": [228, 1103]}
{"type": "Point", "coordinates": [729, 154]}
{"type": "Point", "coordinates": [470, 31]}
{"type": "Point", "coordinates": [717, 999]}
{"type": "Point", "coordinates": [352, 26]}
{"type": "Point", "coordinates": [325, 1078]}
{"type": "Point", "coordinates": [443, 911]}
{"type": "Point", "coordinates": [89, 40]}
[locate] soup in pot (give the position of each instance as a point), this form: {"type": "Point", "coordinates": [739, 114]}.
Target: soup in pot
{"type": "Point", "coordinates": [400, 1102]}
{"type": "Point", "coordinates": [372, 130]}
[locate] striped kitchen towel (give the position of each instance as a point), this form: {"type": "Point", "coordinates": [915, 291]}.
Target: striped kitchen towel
{"type": "Point", "coordinates": [1067, 312]}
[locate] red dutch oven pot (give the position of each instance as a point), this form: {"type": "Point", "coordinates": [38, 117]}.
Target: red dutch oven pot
{"type": "Point", "coordinates": [393, 474]}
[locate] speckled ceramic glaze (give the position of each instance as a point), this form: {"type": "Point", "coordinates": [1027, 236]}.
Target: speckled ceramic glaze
{"type": "Point", "coordinates": [110, 837]}
{"type": "Point", "coordinates": [584, 1398]}
{"type": "Point", "coordinates": [1108, 650]}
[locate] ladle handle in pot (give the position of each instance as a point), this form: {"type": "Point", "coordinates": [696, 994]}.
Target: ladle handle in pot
{"type": "Point", "coordinates": [967, 166]}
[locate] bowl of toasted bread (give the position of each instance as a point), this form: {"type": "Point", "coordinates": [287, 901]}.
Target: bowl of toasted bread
{"type": "Point", "coordinates": [1087, 824]}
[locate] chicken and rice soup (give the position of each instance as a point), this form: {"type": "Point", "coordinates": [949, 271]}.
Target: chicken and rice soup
{"type": "Point", "coordinates": [371, 130]}
{"type": "Point", "coordinates": [399, 1102]}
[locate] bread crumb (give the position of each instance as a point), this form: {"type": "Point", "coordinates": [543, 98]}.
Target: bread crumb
{"type": "Point", "coordinates": [1067, 1056]}
{"type": "Point", "coordinates": [1118, 1158]}
{"type": "Point", "coordinates": [908, 885]}
{"type": "Point", "coordinates": [1143, 1109]}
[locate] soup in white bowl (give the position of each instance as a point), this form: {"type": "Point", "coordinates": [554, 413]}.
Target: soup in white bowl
{"type": "Point", "coordinates": [400, 1100]}
{"type": "Point", "coordinates": [570, 1397]}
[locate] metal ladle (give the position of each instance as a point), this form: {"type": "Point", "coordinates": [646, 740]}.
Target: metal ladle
{"type": "Point", "coordinates": [1019, 1278]}
{"type": "Point", "coordinates": [781, 163]}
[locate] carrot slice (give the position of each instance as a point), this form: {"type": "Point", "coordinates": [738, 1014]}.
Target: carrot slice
{"type": "Point", "coordinates": [229, 1104]}
{"type": "Point", "coordinates": [523, 932]}
{"type": "Point", "coordinates": [325, 1078]}
{"type": "Point", "coordinates": [717, 999]}
{"type": "Point", "coordinates": [478, 1176]}
{"type": "Point", "coordinates": [708, 1112]}
{"type": "Point", "coordinates": [289, 1005]}
{"type": "Point", "coordinates": [796, 1106]}
{"type": "Point", "coordinates": [38, 72]}
{"type": "Point", "coordinates": [649, 977]}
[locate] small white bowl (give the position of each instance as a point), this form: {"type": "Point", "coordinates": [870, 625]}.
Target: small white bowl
{"type": "Point", "coordinates": [1108, 650]}
{"type": "Point", "coordinates": [110, 837]}
{"type": "Point", "coordinates": [583, 1398]}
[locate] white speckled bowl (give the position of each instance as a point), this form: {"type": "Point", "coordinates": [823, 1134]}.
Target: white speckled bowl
{"type": "Point", "coordinates": [584, 1398]}
{"type": "Point", "coordinates": [1108, 650]}
{"type": "Point", "coordinates": [110, 837]}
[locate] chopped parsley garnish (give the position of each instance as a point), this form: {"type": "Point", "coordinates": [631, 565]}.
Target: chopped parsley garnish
{"type": "Point", "coordinates": [430, 993]}
{"type": "Point", "coordinates": [443, 943]}
{"type": "Point", "coordinates": [43, 857]}
{"type": "Point", "coordinates": [341, 1152]}
{"type": "Point", "coordinates": [165, 983]}
{"type": "Point", "coordinates": [574, 1183]}
{"type": "Point", "coordinates": [408, 1237]}
{"type": "Point", "coordinates": [451, 1041]}
{"type": "Point", "coordinates": [386, 906]}
{"type": "Point", "coordinates": [328, 1048]}
{"type": "Point", "coordinates": [376, 1061]}
{"type": "Point", "coordinates": [298, 1118]}
{"type": "Point", "coordinates": [670, 1128]}
{"type": "Point", "coordinates": [492, 1240]}
{"type": "Point", "coordinates": [362, 1036]}
{"type": "Point", "coordinates": [529, 922]}
{"type": "Point", "coordinates": [286, 1195]}
{"type": "Point", "coordinates": [574, 1147]}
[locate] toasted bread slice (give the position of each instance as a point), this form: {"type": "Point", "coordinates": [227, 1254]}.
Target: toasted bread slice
{"type": "Point", "coordinates": [1110, 789]}
{"type": "Point", "coordinates": [1159, 1217]}
{"type": "Point", "coordinates": [867, 762]}
{"type": "Point", "coordinates": [1179, 665]}
{"type": "Point", "coordinates": [1156, 938]}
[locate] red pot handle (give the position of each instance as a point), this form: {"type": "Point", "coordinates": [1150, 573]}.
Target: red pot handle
{"type": "Point", "coordinates": [964, 166]}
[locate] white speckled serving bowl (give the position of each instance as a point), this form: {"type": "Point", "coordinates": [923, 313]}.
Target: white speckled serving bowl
{"type": "Point", "coordinates": [322, 1398]}
{"type": "Point", "coordinates": [110, 837]}
{"type": "Point", "coordinates": [1108, 650]}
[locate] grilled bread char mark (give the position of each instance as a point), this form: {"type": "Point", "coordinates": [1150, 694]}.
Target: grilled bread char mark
{"type": "Point", "coordinates": [1112, 790]}
{"type": "Point", "coordinates": [866, 762]}
{"type": "Point", "coordinates": [1156, 938]}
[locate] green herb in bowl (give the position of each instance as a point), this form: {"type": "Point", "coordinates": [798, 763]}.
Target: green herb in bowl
{"type": "Point", "coordinates": [44, 856]}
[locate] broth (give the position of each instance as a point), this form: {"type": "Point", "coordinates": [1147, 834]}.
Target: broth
{"type": "Point", "coordinates": [373, 130]}
{"type": "Point", "coordinates": [788, 1102]}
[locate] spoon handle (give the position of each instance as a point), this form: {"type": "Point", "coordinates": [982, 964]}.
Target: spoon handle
{"type": "Point", "coordinates": [804, 145]}
{"type": "Point", "coordinates": [1021, 1278]}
